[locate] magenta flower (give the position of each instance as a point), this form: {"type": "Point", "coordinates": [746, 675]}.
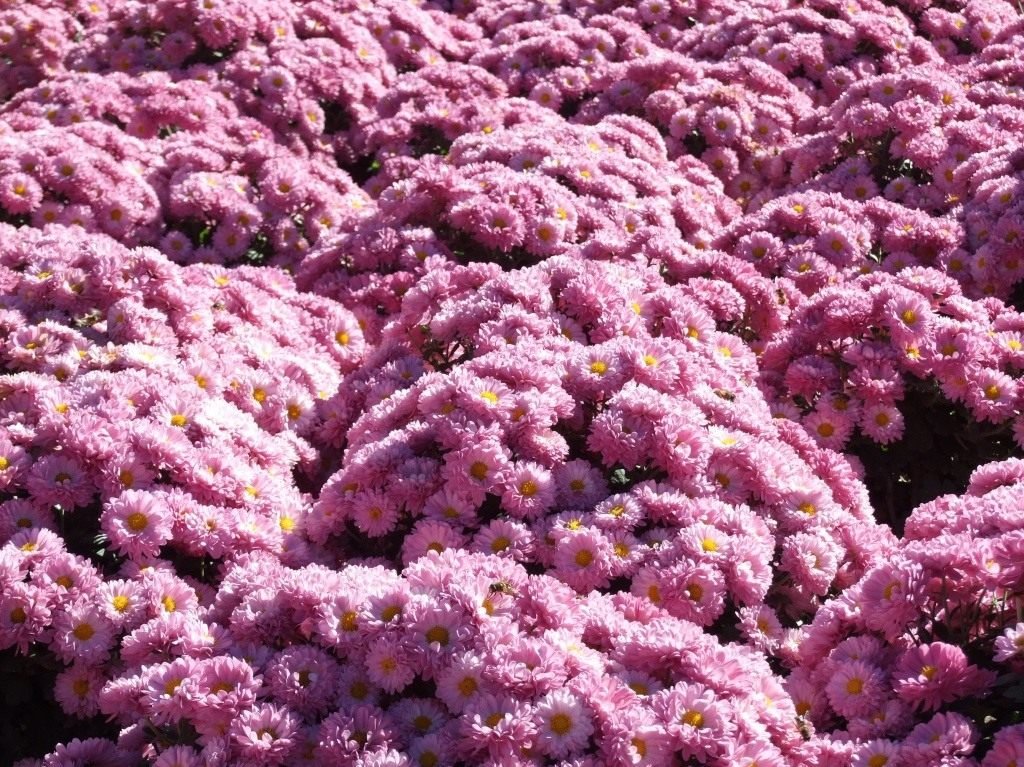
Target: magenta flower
{"type": "Point", "coordinates": [137, 523]}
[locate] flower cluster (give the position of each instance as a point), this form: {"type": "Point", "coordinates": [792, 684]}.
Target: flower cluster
{"type": "Point", "coordinates": [526, 417]}
{"type": "Point", "coordinates": [157, 405]}
{"type": "Point", "coordinates": [851, 352]}
{"type": "Point", "coordinates": [577, 383]}
{"type": "Point", "coordinates": [915, 664]}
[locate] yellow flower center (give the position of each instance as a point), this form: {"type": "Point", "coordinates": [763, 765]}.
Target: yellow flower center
{"type": "Point", "coordinates": [598, 368]}
{"type": "Point", "coordinates": [528, 488]}
{"type": "Point", "coordinates": [467, 686]}
{"type": "Point", "coordinates": [561, 723]}
{"type": "Point", "coordinates": [583, 558]}
{"type": "Point", "coordinates": [137, 522]}
{"type": "Point", "coordinates": [178, 420]}
{"type": "Point", "coordinates": [120, 603]}
{"type": "Point", "coordinates": [693, 718]}
{"type": "Point", "coordinates": [478, 470]}
{"type": "Point", "coordinates": [855, 685]}
{"type": "Point", "coordinates": [84, 632]}
{"type": "Point", "coordinates": [18, 615]}
{"type": "Point", "coordinates": [438, 634]}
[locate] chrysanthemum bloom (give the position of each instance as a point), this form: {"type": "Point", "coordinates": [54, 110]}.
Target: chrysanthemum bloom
{"type": "Point", "coordinates": [563, 723]}
{"type": "Point", "coordinates": [304, 678]}
{"type": "Point", "coordinates": [882, 422]}
{"type": "Point", "coordinates": [498, 726]}
{"type": "Point", "coordinates": [264, 734]}
{"type": "Point", "coordinates": [932, 674]}
{"type": "Point", "coordinates": [529, 490]}
{"type": "Point", "coordinates": [388, 664]}
{"type": "Point", "coordinates": [946, 737]}
{"type": "Point", "coordinates": [696, 720]}
{"type": "Point", "coordinates": [1007, 748]}
{"type": "Point", "coordinates": [461, 681]}
{"type": "Point", "coordinates": [374, 512]}
{"type": "Point", "coordinates": [163, 695]}
{"type": "Point", "coordinates": [856, 688]}
{"type": "Point", "coordinates": [82, 633]}
{"type": "Point", "coordinates": [876, 753]}
{"type": "Point", "coordinates": [891, 595]}
{"type": "Point", "coordinates": [77, 690]}
{"type": "Point", "coordinates": [1010, 645]}
{"type": "Point", "coordinates": [178, 756]}
{"type": "Point", "coordinates": [137, 523]}
{"type": "Point", "coordinates": [222, 687]}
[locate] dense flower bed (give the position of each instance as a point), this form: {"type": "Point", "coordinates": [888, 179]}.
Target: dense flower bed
{"type": "Point", "coordinates": [581, 383]}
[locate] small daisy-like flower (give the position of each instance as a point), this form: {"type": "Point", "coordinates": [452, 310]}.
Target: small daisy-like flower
{"type": "Point", "coordinates": [829, 429]}
{"type": "Point", "coordinates": [374, 513]}
{"type": "Point", "coordinates": [582, 559]}
{"type": "Point", "coordinates": [82, 633]}
{"type": "Point", "coordinates": [461, 681]}
{"type": "Point", "coordinates": [264, 734]}
{"type": "Point", "coordinates": [856, 688]}
{"type": "Point", "coordinates": [528, 490]}
{"type": "Point", "coordinates": [77, 690]}
{"type": "Point", "coordinates": [387, 663]}
{"type": "Point", "coordinates": [693, 718]}
{"type": "Point", "coordinates": [563, 723]}
{"type": "Point", "coordinates": [932, 674]}
{"type": "Point", "coordinates": [137, 523]}
{"type": "Point", "coordinates": [876, 753]}
{"type": "Point", "coordinates": [882, 422]}
{"type": "Point", "coordinates": [1011, 644]}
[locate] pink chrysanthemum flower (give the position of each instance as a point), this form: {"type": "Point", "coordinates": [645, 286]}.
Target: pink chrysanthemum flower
{"type": "Point", "coordinates": [528, 490]}
{"type": "Point", "coordinates": [890, 597]}
{"type": "Point", "coordinates": [374, 512]}
{"type": "Point", "coordinates": [856, 688]}
{"type": "Point", "coordinates": [882, 422]}
{"type": "Point", "coordinates": [1007, 748]}
{"type": "Point", "coordinates": [1010, 644]}
{"type": "Point", "coordinates": [82, 633]}
{"type": "Point", "coordinates": [137, 523]}
{"type": "Point", "coordinates": [563, 723]}
{"type": "Point", "coordinates": [697, 722]}
{"type": "Point", "coordinates": [178, 756]}
{"type": "Point", "coordinates": [932, 674]}
{"type": "Point", "coordinates": [264, 735]}
{"type": "Point", "coordinates": [388, 664]}
{"type": "Point", "coordinates": [304, 678]}
{"type": "Point", "coordinates": [77, 690]}
{"type": "Point", "coordinates": [461, 681]}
